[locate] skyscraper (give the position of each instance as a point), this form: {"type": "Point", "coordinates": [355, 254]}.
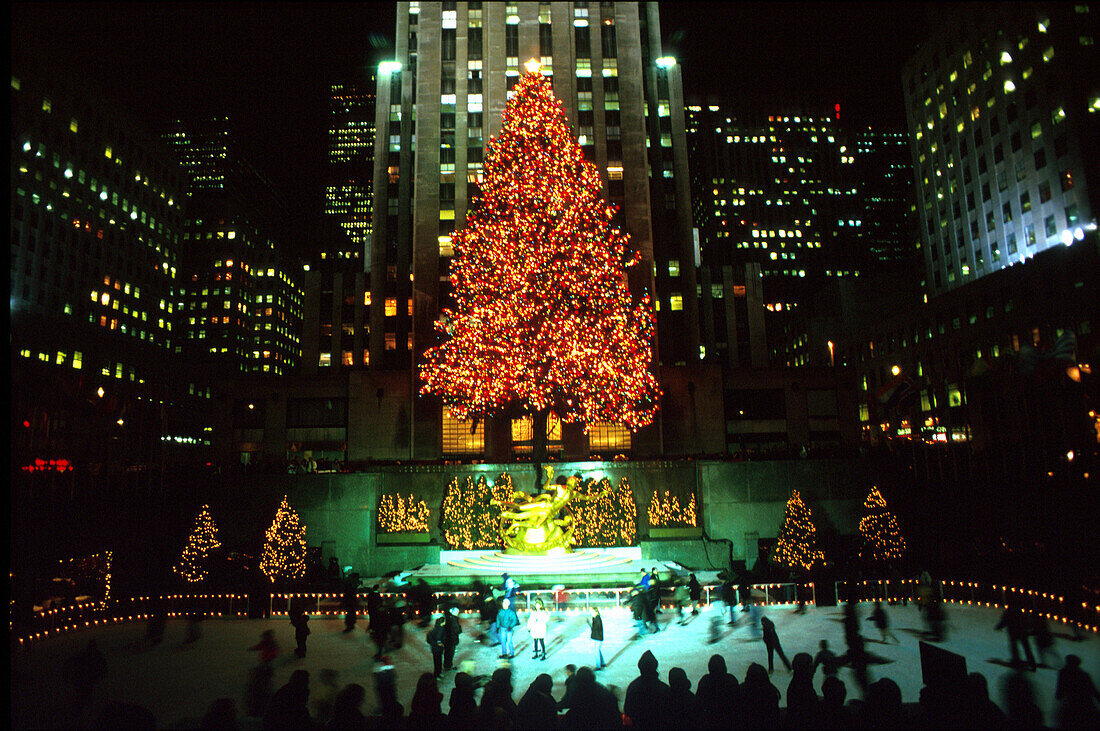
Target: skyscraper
{"type": "Point", "coordinates": [1003, 115]}
{"type": "Point", "coordinates": [239, 302]}
{"type": "Point", "coordinates": [442, 98]}
{"type": "Point", "coordinates": [350, 165]}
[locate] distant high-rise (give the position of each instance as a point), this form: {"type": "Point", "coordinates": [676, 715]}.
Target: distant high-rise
{"type": "Point", "coordinates": [239, 301]}
{"type": "Point", "coordinates": [442, 98]}
{"type": "Point", "coordinates": [883, 176]}
{"type": "Point", "coordinates": [350, 165]}
{"type": "Point", "coordinates": [1003, 113]}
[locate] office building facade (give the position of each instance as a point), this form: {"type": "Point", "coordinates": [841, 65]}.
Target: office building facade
{"type": "Point", "coordinates": [350, 166]}
{"type": "Point", "coordinates": [1003, 114]}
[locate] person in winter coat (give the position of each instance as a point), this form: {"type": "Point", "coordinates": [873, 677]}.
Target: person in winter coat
{"type": "Point", "coordinates": [596, 622]}
{"type": "Point", "coordinates": [425, 711]}
{"type": "Point", "coordinates": [345, 709]}
{"type": "Point", "coordinates": [537, 708]}
{"type": "Point", "coordinates": [452, 631]}
{"type": "Point", "coordinates": [462, 711]}
{"type": "Point", "coordinates": [592, 704]}
{"type": "Point", "coordinates": [288, 707]}
{"type": "Point", "coordinates": [882, 621]}
{"type": "Point", "coordinates": [507, 621]}
{"type": "Point", "coordinates": [759, 699]}
{"type": "Point", "coordinates": [436, 644]}
{"type": "Point", "coordinates": [771, 641]}
{"type": "Point", "coordinates": [300, 621]}
{"type": "Point", "coordinates": [1015, 622]}
{"type": "Point", "coordinates": [695, 593]}
{"type": "Point", "coordinates": [536, 625]}
{"type": "Point", "coordinates": [683, 707]}
{"type": "Point", "coordinates": [717, 694]}
{"type": "Point", "coordinates": [646, 702]}
{"type": "Point", "coordinates": [801, 696]}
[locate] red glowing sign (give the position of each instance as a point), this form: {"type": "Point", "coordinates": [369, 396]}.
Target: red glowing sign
{"type": "Point", "coordinates": [48, 465]}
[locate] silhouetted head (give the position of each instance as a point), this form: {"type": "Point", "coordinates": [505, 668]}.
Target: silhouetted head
{"type": "Point", "coordinates": [570, 669]}
{"type": "Point", "coordinates": [585, 677]}
{"type": "Point", "coordinates": [440, 622]}
{"type": "Point", "coordinates": [647, 663]}
{"type": "Point", "coordinates": [824, 644]}
{"type": "Point", "coordinates": [543, 683]}
{"type": "Point", "coordinates": [717, 665]}
{"type": "Point", "coordinates": [678, 680]}
{"type": "Point", "coordinates": [1073, 661]}
{"type": "Point", "coordinates": [802, 663]}
{"type": "Point", "coordinates": [756, 674]}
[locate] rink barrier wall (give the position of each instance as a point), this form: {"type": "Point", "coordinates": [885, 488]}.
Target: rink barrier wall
{"type": "Point", "coordinates": [91, 614]}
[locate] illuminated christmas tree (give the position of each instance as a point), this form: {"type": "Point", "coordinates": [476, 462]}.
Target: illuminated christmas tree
{"type": "Point", "coordinates": [468, 520]}
{"type": "Point", "coordinates": [284, 555]}
{"type": "Point", "coordinates": [796, 547]}
{"type": "Point", "coordinates": [398, 514]}
{"type": "Point", "coordinates": [543, 320]}
{"type": "Point", "coordinates": [194, 563]}
{"type": "Point", "coordinates": [882, 538]}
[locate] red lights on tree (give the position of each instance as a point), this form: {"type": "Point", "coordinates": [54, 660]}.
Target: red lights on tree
{"type": "Point", "coordinates": [543, 320]}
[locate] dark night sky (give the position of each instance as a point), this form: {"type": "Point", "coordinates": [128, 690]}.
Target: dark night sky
{"type": "Point", "coordinates": [269, 64]}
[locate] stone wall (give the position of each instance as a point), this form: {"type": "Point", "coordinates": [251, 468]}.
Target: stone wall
{"type": "Point", "coordinates": [738, 501]}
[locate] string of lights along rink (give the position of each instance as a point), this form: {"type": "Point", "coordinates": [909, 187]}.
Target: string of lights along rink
{"type": "Point", "coordinates": [543, 318]}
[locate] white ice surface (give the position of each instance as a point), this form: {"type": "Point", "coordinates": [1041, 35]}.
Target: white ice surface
{"type": "Point", "coordinates": [178, 683]}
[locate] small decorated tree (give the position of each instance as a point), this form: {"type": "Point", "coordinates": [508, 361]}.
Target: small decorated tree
{"type": "Point", "coordinates": [882, 538]}
{"type": "Point", "coordinates": [609, 521]}
{"type": "Point", "coordinates": [665, 510]}
{"type": "Point", "coordinates": [468, 519]}
{"type": "Point", "coordinates": [397, 514]}
{"type": "Point", "coordinates": [796, 547]}
{"type": "Point", "coordinates": [284, 554]}
{"type": "Point", "coordinates": [194, 563]}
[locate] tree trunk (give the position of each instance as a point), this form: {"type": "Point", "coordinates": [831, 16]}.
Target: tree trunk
{"type": "Point", "coordinates": [538, 444]}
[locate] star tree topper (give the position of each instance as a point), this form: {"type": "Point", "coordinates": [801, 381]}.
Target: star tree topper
{"type": "Point", "coordinates": [543, 318]}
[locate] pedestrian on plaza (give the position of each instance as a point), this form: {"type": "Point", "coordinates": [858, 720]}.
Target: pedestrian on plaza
{"type": "Point", "coordinates": [509, 587]}
{"type": "Point", "coordinates": [832, 712]}
{"type": "Point", "coordinates": [497, 709]}
{"type": "Point", "coordinates": [385, 686]}
{"type": "Point", "coordinates": [452, 631]}
{"type": "Point", "coordinates": [259, 678]}
{"type": "Point", "coordinates": [435, 643]}
{"type": "Point", "coordinates": [593, 705]}
{"type": "Point", "coordinates": [683, 705]}
{"type": "Point", "coordinates": [638, 611]}
{"type": "Point", "coordinates": [288, 707]}
{"type": "Point", "coordinates": [351, 602]}
{"type": "Point", "coordinates": [507, 621]}
{"type": "Point", "coordinates": [84, 671]}
{"type": "Point", "coordinates": [1044, 640]}
{"type": "Point", "coordinates": [1015, 623]}
{"type": "Point", "coordinates": [771, 642]}
{"type": "Point", "coordinates": [717, 694]}
{"type": "Point", "coordinates": [695, 593]}
{"type": "Point", "coordinates": [654, 594]}
{"type": "Point", "coordinates": [492, 610]}
{"type": "Point", "coordinates": [756, 613]}
{"type": "Point", "coordinates": [537, 709]}
{"type": "Point", "coordinates": [681, 600]}
{"type": "Point", "coordinates": [300, 621]}
{"type": "Point", "coordinates": [426, 711]}
{"type": "Point", "coordinates": [935, 617]}
{"type": "Point", "coordinates": [856, 657]}
{"type": "Point", "coordinates": [222, 714]}
{"type": "Point", "coordinates": [882, 621]}
{"type": "Point", "coordinates": [596, 624]}
{"type": "Point", "coordinates": [324, 696]}
{"type": "Point", "coordinates": [827, 660]}
{"type": "Point", "coordinates": [570, 685]}
{"type": "Point", "coordinates": [1078, 696]}
{"type": "Point", "coordinates": [646, 702]}
{"type": "Point", "coordinates": [801, 696]}
{"type": "Point", "coordinates": [462, 711]}
{"type": "Point", "coordinates": [731, 598]}
{"type": "Point", "coordinates": [759, 699]}
{"type": "Point", "coordinates": [345, 709]}
{"type": "Point", "coordinates": [194, 628]}
{"type": "Point", "coordinates": [537, 622]}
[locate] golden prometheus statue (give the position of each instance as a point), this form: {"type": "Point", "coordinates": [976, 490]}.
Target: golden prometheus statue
{"type": "Point", "coordinates": [530, 524]}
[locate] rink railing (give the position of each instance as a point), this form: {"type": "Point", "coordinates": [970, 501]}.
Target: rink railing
{"type": "Point", "coordinates": [91, 614]}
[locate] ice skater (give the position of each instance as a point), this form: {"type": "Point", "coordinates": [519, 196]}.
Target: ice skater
{"type": "Point", "coordinates": [300, 621]}
{"type": "Point", "coordinates": [771, 642]}
{"type": "Point", "coordinates": [507, 621]}
{"type": "Point", "coordinates": [536, 625]}
{"type": "Point", "coordinates": [596, 623]}
{"type": "Point", "coordinates": [882, 621]}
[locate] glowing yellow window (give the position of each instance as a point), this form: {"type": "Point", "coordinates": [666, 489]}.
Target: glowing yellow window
{"type": "Point", "coordinates": [391, 307]}
{"type": "Point", "coordinates": [676, 302]}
